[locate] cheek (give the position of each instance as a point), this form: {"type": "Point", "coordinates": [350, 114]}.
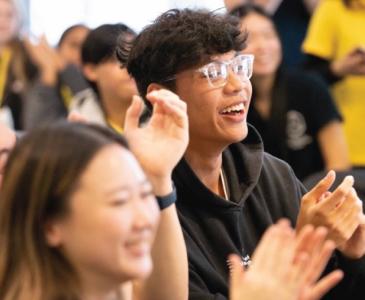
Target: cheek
{"type": "Point", "coordinates": [276, 48]}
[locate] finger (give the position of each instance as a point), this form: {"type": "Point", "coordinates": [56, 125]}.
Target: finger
{"type": "Point", "coordinates": [279, 242]}
{"type": "Point", "coordinates": [318, 262]}
{"type": "Point", "coordinates": [298, 269]}
{"type": "Point", "coordinates": [265, 245]}
{"type": "Point", "coordinates": [315, 241]}
{"type": "Point", "coordinates": [325, 284]}
{"type": "Point", "coordinates": [166, 96]}
{"type": "Point", "coordinates": [348, 224]}
{"type": "Point", "coordinates": [304, 239]}
{"type": "Point", "coordinates": [350, 209]}
{"type": "Point", "coordinates": [338, 195]}
{"type": "Point", "coordinates": [180, 117]}
{"type": "Point", "coordinates": [236, 270]}
{"type": "Point", "coordinates": [350, 201]}
{"type": "Point", "coordinates": [75, 116]}
{"type": "Point", "coordinates": [324, 196]}
{"type": "Point", "coordinates": [133, 113]}
{"type": "Point", "coordinates": [322, 186]}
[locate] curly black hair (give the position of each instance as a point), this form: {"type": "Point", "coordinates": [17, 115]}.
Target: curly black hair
{"type": "Point", "coordinates": [176, 41]}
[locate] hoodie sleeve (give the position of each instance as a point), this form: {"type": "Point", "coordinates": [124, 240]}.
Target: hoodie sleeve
{"type": "Point", "coordinates": [43, 104]}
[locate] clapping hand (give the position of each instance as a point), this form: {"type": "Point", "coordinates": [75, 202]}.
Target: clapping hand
{"type": "Point", "coordinates": [160, 144]}
{"type": "Point", "coordinates": [285, 266]}
{"type": "Point", "coordinates": [340, 212]}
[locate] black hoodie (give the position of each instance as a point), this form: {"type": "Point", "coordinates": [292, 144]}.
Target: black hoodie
{"type": "Point", "coordinates": [262, 189]}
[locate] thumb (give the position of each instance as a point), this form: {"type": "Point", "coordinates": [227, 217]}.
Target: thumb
{"type": "Point", "coordinates": [322, 186]}
{"type": "Point", "coordinates": [133, 113]}
{"type": "Point", "coordinates": [237, 271]}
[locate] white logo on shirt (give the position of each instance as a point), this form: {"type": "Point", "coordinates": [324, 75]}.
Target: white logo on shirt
{"type": "Point", "coordinates": [295, 130]}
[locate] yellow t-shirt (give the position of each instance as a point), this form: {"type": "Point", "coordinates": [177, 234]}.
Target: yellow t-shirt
{"type": "Point", "coordinates": [5, 58]}
{"type": "Point", "coordinates": [333, 32]}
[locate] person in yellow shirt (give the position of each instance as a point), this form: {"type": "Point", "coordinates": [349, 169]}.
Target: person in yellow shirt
{"type": "Point", "coordinates": [335, 46]}
{"type": "Point", "coordinates": [17, 70]}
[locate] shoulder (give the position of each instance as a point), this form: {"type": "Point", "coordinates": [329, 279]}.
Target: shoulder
{"type": "Point", "coordinates": [304, 79]}
{"type": "Point", "coordinates": [325, 5]}
{"type": "Point", "coordinates": [276, 167]}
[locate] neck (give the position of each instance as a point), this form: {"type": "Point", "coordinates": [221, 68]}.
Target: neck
{"type": "Point", "coordinates": [115, 109]}
{"type": "Point", "coordinates": [206, 164]}
{"type": "Point", "coordinates": [97, 288]}
{"type": "Point", "coordinates": [263, 86]}
{"type": "Point", "coordinates": [263, 91]}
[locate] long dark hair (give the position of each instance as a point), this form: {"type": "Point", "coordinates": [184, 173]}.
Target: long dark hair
{"type": "Point", "coordinates": [41, 174]}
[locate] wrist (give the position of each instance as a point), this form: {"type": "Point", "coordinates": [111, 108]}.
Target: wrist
{"type": "Point", "coordinates": [49, 78]}
{"type": "Point", "coordinates": [167, 200]}
{"type": "Point", "coordinates": [161, 185]}
{"type": "Point", "coordinates": [337, 68]}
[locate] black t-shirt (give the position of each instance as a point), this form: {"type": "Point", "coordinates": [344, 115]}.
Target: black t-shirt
{"type": "Point", "coordinates": [301, 107]}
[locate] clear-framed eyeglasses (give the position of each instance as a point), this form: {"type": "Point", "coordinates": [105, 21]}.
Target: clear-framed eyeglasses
{"type": "Point", "coordinates": [217, 72]}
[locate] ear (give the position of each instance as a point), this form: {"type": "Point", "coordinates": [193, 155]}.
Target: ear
{"type": "Point", "coordinates": [90, 72]}
{"type": "Point", "coordinates": [154, 87]}
{"type": "Point", "coordinates": [53, 233]}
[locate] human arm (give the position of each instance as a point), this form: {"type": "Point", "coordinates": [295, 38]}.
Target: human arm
{"type": "Point", "coordinates": [43, 104]}
{"type": "Point", "coordinates": [310, 5]}
{"type": "Point", "coordinates": [332, 143]}
{"type": "Point", "coordinates": [159, 146]}
{"type": "Point", "coordinates": [333, 71]}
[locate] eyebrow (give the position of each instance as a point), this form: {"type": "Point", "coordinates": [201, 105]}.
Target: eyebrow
{"type": "Point", "coordinates": [223, 60]}
{"type": "Point", "coordinates": [126, 188]}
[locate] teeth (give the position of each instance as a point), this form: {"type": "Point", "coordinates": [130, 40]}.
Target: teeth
{"type": "Point", "coordinates": [234, 108]}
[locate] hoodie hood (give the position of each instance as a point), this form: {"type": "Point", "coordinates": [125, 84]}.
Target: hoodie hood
{"type": "Point", "coordinates": [248, 153]}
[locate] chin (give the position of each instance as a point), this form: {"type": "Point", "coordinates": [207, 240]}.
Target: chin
{"type": "Point", "coordinates": [140, 269]}
{"type": "Point", "coordinates": [238, 136]}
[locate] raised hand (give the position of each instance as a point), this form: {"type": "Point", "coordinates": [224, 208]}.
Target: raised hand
{"type": "Point", "coordinates": [285, 266]}
{"type": "Point", "coordinates": [351, 64]}
{"type": "Point", "coordinates": [46, 58]}
{"type": "Point", "coordinates": [161, 143]}
{"type": "Point", "coordinates": [340, 212]}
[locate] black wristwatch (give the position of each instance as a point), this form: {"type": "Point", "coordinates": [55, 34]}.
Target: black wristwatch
{"type": "Point", "coordinates": [169, 199]}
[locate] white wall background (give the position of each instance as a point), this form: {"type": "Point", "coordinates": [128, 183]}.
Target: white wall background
{"type": "Point", "coordinates": [52, 17]}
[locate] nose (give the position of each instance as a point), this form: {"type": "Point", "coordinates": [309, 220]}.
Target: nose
{"type": "Point", "coordinates": [146, 215]}
{"type": "Point", "coordinates": [235, 83]}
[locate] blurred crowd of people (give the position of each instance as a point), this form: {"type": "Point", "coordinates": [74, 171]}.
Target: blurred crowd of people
{"type": "Point", "coordinates": [168, 164]}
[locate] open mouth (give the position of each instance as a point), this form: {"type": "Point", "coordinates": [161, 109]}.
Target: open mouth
{"type": "Point", "coordinates": [232, 110]}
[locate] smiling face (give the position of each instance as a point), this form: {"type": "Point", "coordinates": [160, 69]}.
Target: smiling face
{"type": "Point", "coordinates": [108, 232]}
{"type": "Point", "coordinates": [113, 82]}
{"type": "Point", "coordinates": [263, 42]}
{"type": "Point", "coordinates": [217, 115]}
{"type": "Point", "coordinates": [70, 48]}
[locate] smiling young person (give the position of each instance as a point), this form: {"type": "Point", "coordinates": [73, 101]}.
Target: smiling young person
{"type": "Point", "coordinates": [78, 216]}
{"type": "Point", "coordinates": [229, 189]}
